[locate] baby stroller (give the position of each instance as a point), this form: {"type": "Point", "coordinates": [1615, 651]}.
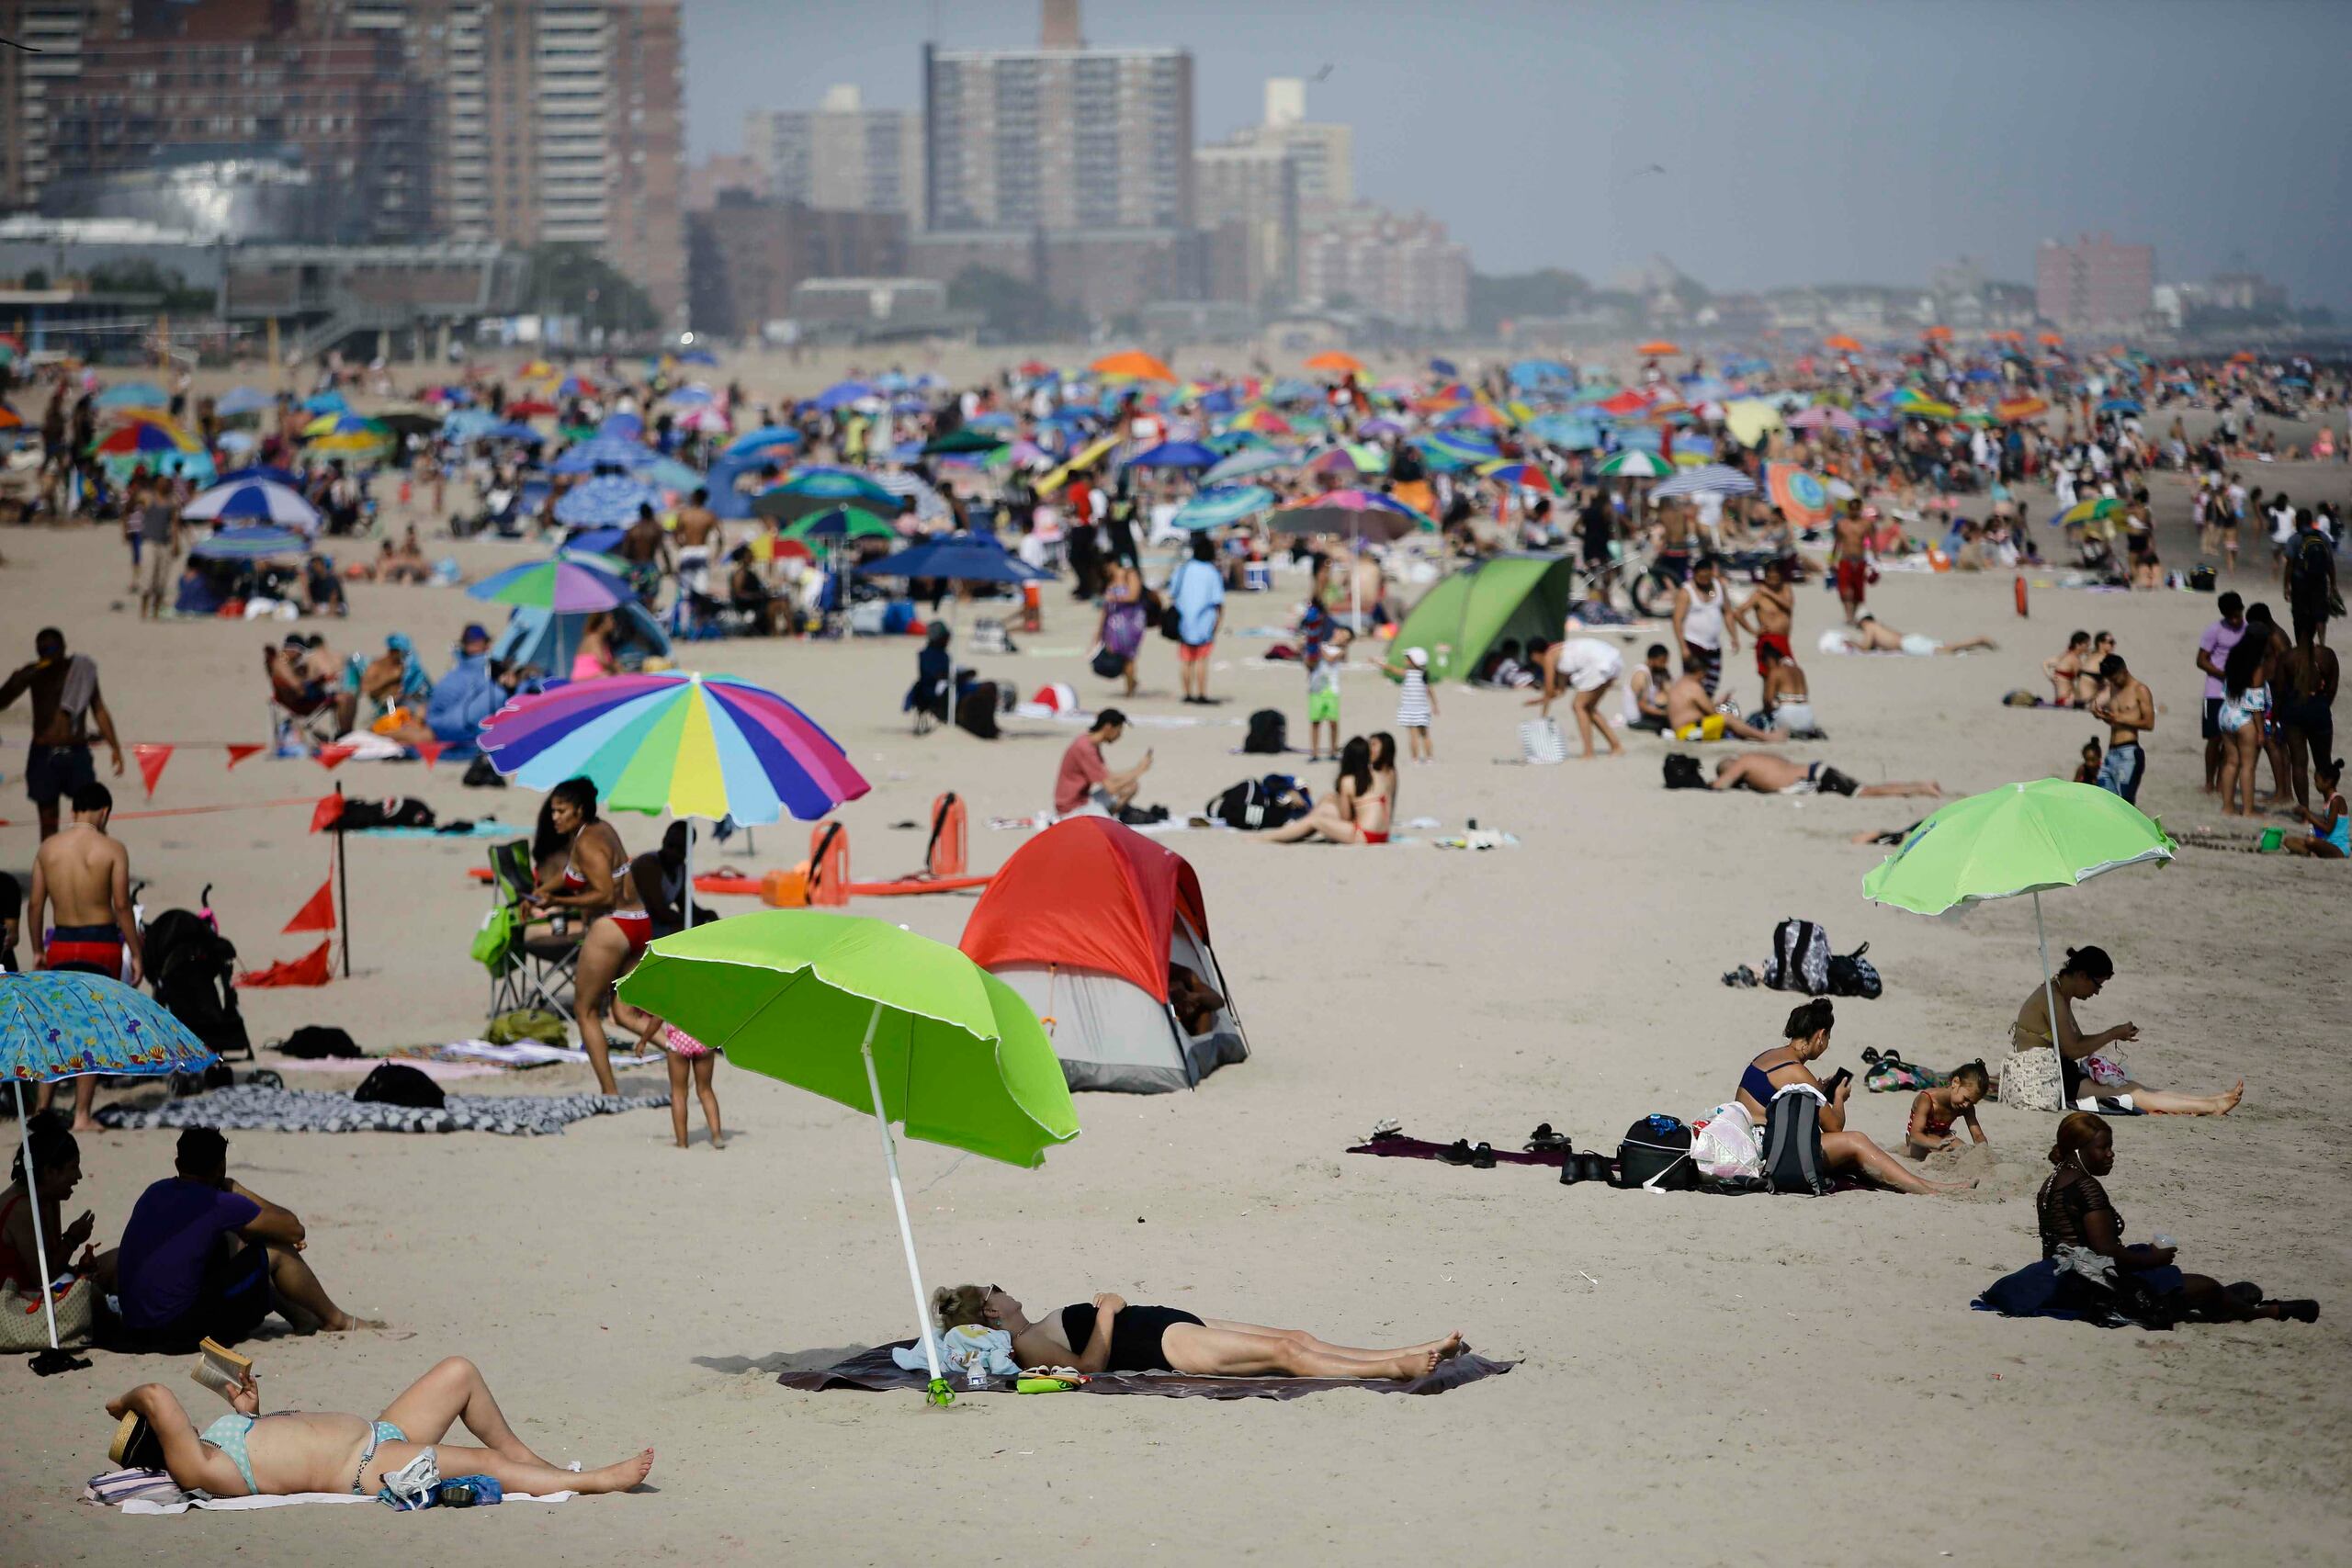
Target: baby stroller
{"type": "Point", "coordinates": [193, 970]}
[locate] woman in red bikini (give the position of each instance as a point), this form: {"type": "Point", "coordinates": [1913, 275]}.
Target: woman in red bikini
{"type": "Point", "coordinates": [594, 886]}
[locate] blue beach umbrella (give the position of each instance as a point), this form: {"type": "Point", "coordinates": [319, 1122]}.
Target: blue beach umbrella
{"type": "Point", "coordinates": [1216, 508]}
{"type": "Point", "coordinates": [261, 541]}
{"type": "Point", "coordinates": [956, 558]}
{"type": "Point", "coordinates": [239, 401]}
{"type": "Point", "coordinates": [253, 500]}
{"type": "Point", "coordinates": [605, 502]}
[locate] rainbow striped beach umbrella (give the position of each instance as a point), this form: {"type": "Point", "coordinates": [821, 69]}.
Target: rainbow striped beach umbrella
{"type": "Point", "coordinates": [687, 745]}
{"type": "Point", "coordinates": [570, 584]}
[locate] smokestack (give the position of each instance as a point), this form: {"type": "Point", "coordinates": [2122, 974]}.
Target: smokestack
{"type": "Point", "coordinates": [1060, 29]}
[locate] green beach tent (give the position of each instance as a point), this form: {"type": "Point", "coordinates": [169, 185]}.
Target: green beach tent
{"type": "Point", "coordinates": [1509, 596]}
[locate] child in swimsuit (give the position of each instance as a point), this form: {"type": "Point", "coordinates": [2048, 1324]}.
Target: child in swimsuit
{"type": "Point", "coordinates": [1936, 1111]}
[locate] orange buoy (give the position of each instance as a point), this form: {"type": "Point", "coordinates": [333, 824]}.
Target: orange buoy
{"type": "Point", "coordinates": [828, 865]}
{"type": "Point", "coordinates": [2021, 615]}
{"type": "Point", "coordinates": [946, 855]}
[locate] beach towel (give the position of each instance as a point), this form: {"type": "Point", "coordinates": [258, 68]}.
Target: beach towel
{"type": "Point", "coordinates": [484, 829]}
{"type": "Point", "coordinates": [2037, 1288]}
{"type": "Point", "coordinates": [875, 1371]}
{"type": "Point", "coordinates": [314, 1111]}
{"type": "Point", "coordinates": [1420, 1148]}
{"type": "Point", "coordinates": [151, 1492]}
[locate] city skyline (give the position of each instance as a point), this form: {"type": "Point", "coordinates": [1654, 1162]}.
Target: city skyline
{"type": "Point", "coordinates": [1843, 143]}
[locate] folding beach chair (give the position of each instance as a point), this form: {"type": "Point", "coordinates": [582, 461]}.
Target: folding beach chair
{"type": "Point", "coordinates": [527, 967]}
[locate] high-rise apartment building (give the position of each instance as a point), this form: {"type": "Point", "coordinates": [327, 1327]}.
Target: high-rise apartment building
{"type": "Point", "coordinates": [1059, 138]}
{"type": "Point", "coordinates": [1246, 200]}
{"type": "Point", "coordinates": [1326, 154]}
{"type": "Point", "coordinates": [840, 157]}
{"type": "Point", "coordinates": [2093, 282]}
{"type": "Point", "coordinates": [1399, 265]}
{"type": "Point", "coordinates": [139, 89]}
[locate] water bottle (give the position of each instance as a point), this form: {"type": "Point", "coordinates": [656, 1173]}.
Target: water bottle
{"type": "Point", "coordinates": [975, 1376]}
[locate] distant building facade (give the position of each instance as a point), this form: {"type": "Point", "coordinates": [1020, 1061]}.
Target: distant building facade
{"type": "Point", "coordinates": [2093, 282]}
{"type": "Point", "coordinates": [1402, 266]}
{"type": "Point", "coordinates": [1247, 200]}
{"type": "Point", "coordinates": [841, 156]}
{"type": "Point", "coordinates": [746, 257]}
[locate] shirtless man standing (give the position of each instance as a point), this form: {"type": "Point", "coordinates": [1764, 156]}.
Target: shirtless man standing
{"type": "Point", "coordinates": [2129, 707]}
{"type": "Point", "coordinates": [1771, 613]}
{"type": "Point", "coordinates": [1691, 714]}
{"type": "Point", "coordinates": [86, 877]}
{"type": "Point", "coordinates": [697, 539]}
{"type": "Point", "coordinates": [65, 702]}
{"type": "Point", "coordinates": [1850, 559]}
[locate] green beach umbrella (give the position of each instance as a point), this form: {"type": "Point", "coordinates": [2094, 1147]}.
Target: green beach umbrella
{"type": "Point", "coordinates": [1633, 463]}
{"type": "Point", "coordinates": [2018, 839]}
{"type": "Point", "coordinates": [843, 522]}
{"type": "Point", "coordinates": [2097, 509]}
{"type": "Point", "coordinates": [874, 1017]}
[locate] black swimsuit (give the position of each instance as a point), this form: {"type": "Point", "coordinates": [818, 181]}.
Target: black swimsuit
{"type": "Point", "coordinates": [1136, 1335]}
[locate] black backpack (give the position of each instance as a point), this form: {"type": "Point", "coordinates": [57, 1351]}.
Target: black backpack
{"type": "Point", "coordinates": [1800, 960]}
{"type": "Point", "coordinates": [314, 1040]}
{"type": "Point", "coordinates": [1255, 804]}
{"type": "Point", "coordinates": [1682, 771]}
{"type": "Point", "coordinates": [481, 774]}
{"type": "Point", "coordinates": [192, 971]}
{"type": "Point", "coordinates": [1792, 1159]}
{"type": "Point", "coordinates": [1269, 733]}
{"type": "Point", "coordinates": [1851, 975]}
{"type": "Point", "coordinates": [1657, 1153]}
{"type": "Point", "coordinates": [975, 711]}
{"type": "Point", "coordinates": [402, 812]}
{"type": "Point", "coordinates": [397, 1083]}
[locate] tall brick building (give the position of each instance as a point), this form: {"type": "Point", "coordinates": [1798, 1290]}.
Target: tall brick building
{"type": "Point", "coordinates": [2093, 282]}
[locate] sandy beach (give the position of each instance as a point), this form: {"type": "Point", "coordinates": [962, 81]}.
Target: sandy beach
{"type": "Point", "coordinates": [1698, 1380]}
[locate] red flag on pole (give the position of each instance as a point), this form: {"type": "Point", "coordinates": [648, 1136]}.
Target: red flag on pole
{"type": "Point", "coordinates": [150, 764]}
{"type": "Point", "coordinates": [239, 753]}
{"type": "Point", "coordinates": [431, 752]}
{"type": "Point", "coordinates": [326, 813]}
{"type": "Point", "coordinates": [318, 914]}
{"type": "Point", "coordinates": [333, 757]}
{"type": "Point", "coordinates": [311, 969]}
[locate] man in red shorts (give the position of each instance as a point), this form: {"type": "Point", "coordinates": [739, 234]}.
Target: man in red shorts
{"type": "Point", "coordinates": [1850, 559]}
{"type": "Point", "coordinates": [1770, 612]}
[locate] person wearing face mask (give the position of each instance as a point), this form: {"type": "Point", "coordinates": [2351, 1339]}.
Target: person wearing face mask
{"type": "Point", "coordinates": [2072, 1210]}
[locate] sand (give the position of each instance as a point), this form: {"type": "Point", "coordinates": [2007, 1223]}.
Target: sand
{"type": "Point", "coordinates": [1700, 1379]}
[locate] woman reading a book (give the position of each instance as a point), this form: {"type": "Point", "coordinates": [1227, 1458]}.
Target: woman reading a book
{"type": "Point", "coordinates": [249, 1453]}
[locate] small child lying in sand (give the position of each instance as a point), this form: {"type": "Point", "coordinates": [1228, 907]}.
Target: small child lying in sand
{"type": "Point", "coordinates": [1934, 1111]}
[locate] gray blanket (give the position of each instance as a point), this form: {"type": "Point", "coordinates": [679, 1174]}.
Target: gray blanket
{"type": "Point", "coordinates": [318, 1111]}
{"type": "Point", "coordinates": [872, 1370]}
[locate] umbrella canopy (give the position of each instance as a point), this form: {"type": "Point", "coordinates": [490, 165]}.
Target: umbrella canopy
{"type": "Point", "coordinates": [1529, 475]}
{"type": "Point", "coordinates": [604, 452]}
{"type": "Point", "coordinates": [965, 439]}
{"type": "Point", "coordinates": [570, 585]}
{"type": "Point", "coordinates": [1132, 365]}
{"type": "Point", "coordinates": [687, 745]}
{"type": "Point", "coordinates": [2018, 839]}
{"type": "Point", "coordinates": [841, 522]}
{"type": "Point", "coordinates": [841, 1006]}
{"type": "Point", "coordinates": [1175, 455]}
{"type": "Point", "coordinates": [767, 438]}
{"type": "Point", "coordinates": [958, 557]}
{"type": "Point", "coordinates": [2096, 509]}
{"type": "Point", "coordinates": [1656, 345]}
{"type": "Point", "coordinates": [143, 437]}
{"type": "Point", "coordinates": [1354, 511]}
{"type": "Point", "coordinates": [1633, 463]}
{"type": "Point", "coordinates": [1338, 362]}
{"type": "Point", "coordinates": [259, 542]}
{"type": "Point", "coordinates": [1565, 432]}
{"type": "Point", "coordinates": [254, 500]}
{"type": "Point", "coordinates": [841, 394]}
{"type": "Point", "coordinates": [62, 1024]}
{"type": "Point", "coordinates": [789, 994]}
{"type": "Point", "coordinates": [134, 395]}
{"type": "Point", "coordinates": [1348, 460]}
{"type": "Point", "coordinates": [817, 489]}
{"type": "Point", "coordinates": [239, 401]}
{"type": "Point", "coordinates": [1216, 507]}
{"type": "Point", "coordinates": [1714, 479]}
{"type": "Point", "coordinates": [1249, 464]}
{"type": "Point", "coordinates": [326, 402]}
{"type": "Point", "coordinates": [1803, 499]}
{"type": "Point", "coordinates": [605, 502]}
{"type": "Point", "coordinates": [1825, 417]}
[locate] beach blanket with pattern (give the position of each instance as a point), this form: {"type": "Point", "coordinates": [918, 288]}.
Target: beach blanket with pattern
{"type": "Point", "coordinates": [875, 1371]}
{"type": "Point", "coordinates": [317, 1110]}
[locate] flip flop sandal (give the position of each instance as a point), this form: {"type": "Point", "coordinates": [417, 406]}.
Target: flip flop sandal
{"type": "Point", "coordinates": [1545, 1141]}
{"type": "Point", "coordinates": [1482, 1158]}
{"type": "Point", "coordinates": [1385, 1130]}
{"type": "Point", "coordinates": [1869, 1055]}
{"type": "Point", "coordinates": [1457, 1153]}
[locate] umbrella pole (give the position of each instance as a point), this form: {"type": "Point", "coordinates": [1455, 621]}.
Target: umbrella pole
{"type": "Point", "coordinates": [940, 1393]}
{"type": "Point", "coordinates": [687, 902]}
{"type": "Point", "coordinates": [2050, 996]}
{"type": "Point", "coordinates": [40, 1239]}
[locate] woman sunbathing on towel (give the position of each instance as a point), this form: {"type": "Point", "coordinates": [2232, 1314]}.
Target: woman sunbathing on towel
{"type": "Point", "coordinates": [1109, 1336]}
{"type": "Point", "coordinates": [246, 1453]}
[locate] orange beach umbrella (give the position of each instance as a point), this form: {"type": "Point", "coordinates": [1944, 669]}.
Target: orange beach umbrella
{"type": "Point", "coordinates": [1134, 365]}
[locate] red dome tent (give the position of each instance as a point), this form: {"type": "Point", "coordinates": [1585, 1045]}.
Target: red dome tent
{"type": "Point", "coordinates": [1083, 921]}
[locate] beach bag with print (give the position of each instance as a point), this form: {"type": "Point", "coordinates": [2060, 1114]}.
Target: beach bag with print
{"type": "Point", "coordinates": [1541, 744]}
{"type": "Point", "coordinates": [1792, 1158]}
{"type": "Point", "coordinates": [2031, 1080]}
{"type": "Point", "coordinates": [24, 1327]}
{"type": "Point", "coordinates": [1800, 960]}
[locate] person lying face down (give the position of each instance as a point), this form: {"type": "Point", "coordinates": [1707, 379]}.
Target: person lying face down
{"type": "Point", "coordinates": [1108, 1336]}
{"type": "Point", "coordinates": [1768, 772]}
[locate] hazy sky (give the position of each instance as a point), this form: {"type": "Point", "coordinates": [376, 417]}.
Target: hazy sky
{"type": "Point", "coordinates": [1803, 141]}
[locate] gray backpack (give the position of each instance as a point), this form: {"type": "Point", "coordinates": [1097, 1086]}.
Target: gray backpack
{"type": "Point", "coordinates": [1792, 1159]}
{"type": "Point", "coordinates": [1800, 960]}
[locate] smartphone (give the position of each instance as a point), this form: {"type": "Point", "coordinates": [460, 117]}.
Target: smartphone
{"type": "Point", "coordinates": [1842, 1076]}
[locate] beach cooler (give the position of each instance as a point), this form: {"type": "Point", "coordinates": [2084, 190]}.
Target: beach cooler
{"type": "Point", "coordinates": [1256, 577]}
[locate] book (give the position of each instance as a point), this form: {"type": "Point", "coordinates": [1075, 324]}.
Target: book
{"type": "Point", "coordinates": [221, 1369]}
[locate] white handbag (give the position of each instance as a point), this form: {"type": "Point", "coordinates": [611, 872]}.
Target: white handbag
{"type": "Point", "coordinates": [2031, 1080]}
{"type": "Point", "coordinates": [1541, 744]}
